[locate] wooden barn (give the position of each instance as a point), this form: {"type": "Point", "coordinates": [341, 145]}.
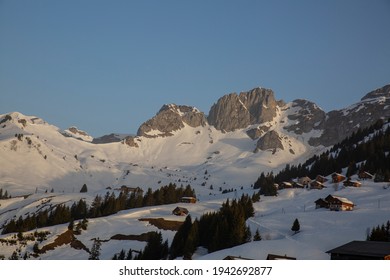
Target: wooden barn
{"type": "Point", "coordinates": [365, 175]}
{"type": "Point", "coordinates": [188, 199]}
{"type": "Point", "coordinates": [337, 203]}
{"type": "Point", "coordinates": [350, 183]}
{"type": "Point", "coordinates": [321, 203]}
{"type": "Point", "coordinates": [337, 178]}
{"type": "Point", "coordinates": [180, 211]}
{"type": "Point", "coordinates": [316, 185]}
{"type": "Point", "coordinates": [321, 179]}
{"type": "Point", "coordinates": [127, 189]}
{"type": "Point", "coordinates": [285, 185]}
{"type": "Point", "coordinates": [298, 185]}
{"type": "Point", "coordinates": [361, 250]}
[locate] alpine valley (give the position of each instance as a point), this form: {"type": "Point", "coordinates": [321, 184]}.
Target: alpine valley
{"type": "Point", "coordinates": [182, 152]}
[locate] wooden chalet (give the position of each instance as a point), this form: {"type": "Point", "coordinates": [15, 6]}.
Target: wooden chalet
{"type": "Point", "coordinates": [304, 181]}
{"type": "Point", "coordinates": [298, 185]}
{"type": "Point", "coordinates": [337, 178]}
{"type": "Point", "coordinates": [321, 203]}
{"type": "Point", "coordinates": [316, 185]}
{"type": "Point", "coordinates": [272, 257]}
{"type": "Point", "coordinates": [180, 211]}
{"type": "Point", "coordinates": [321, 179]}
{"type": "Point", "coordinates": [285, 185]}
{"type": "Point", "coordinates": [337, 203]}
{"type": "Point", "coordinates": [127, 189]}
{"type": "Point", "coordinates": [350, 183]}
{"type": "Point", "coordinates": [365, 175]}
{"type": "Point", "coordinates": [188, 199]}
{"type": "Point", "coordinates": [361, 250]}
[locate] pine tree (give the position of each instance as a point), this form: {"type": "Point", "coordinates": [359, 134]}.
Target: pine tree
{"type": "Point", "coordinates": [122, 255]}
{"type": "Point", "coordinates": [248, 234]}
{"type": "Point", "coordinates": [148, 198]}
{"type": "Point", "coordinates": [84, 189]}
{"type": "Point", "coordinates": [95, 251]}
{"type": "Point", "coordinates": [129, 255]}
{"type": "Point", "coordinates": [71, 225]}
{"type": "Point", "coordinates": [155, 249]}
{"type": "Point", "coordinates": [84, 224]}
{"type": "Point", "coordinates": [180, 238]}
{"type": "Point", "coordinates": [192, 241]}
{"type": "Point", "coordinates": [36, 248]}
{"type": "Point", "coordinates": [296, 226]}
{"type": "Point", "coordinates": [257, 236]}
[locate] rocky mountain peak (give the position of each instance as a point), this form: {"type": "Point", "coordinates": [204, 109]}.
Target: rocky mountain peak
{"type": "Point", "coordinates": [77, 133]}
{"type": "Point", "coordinates": [307, 116]}
{"type": "Point", "coordinates": [340, 124]}
{"type": "Point", "coordinates": [379, 92]}
{"type": "Point", "coordinates": [235, 111]}
{"type": "Point", "coordinates": [171, 117]}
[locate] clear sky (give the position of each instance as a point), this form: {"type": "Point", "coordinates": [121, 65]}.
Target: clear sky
{"type": "Point", "coordinates": [108, 66]}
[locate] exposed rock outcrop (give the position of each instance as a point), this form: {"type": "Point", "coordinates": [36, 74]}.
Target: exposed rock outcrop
{"type": "Point", "coordinates": [78, 134]}
{"type": "Point", "coordinates": [270, 141]}
{"type": "Point", "coordinates": [308, 117]}
{"type": "Point", "coordinates": [340, 124]}
{"type": "Point", "coordinates": [256, 132]}
{"type": "Point", "coordinates": [130, 141]}
{"type": "Point", "coordinates": [171, 118]}
{"type": "Point", "coordinates": [110, 138]}
{"type": "Point", "coordinates": [234, 111]}
{"type": "Point", "coordinates": [379, 92]}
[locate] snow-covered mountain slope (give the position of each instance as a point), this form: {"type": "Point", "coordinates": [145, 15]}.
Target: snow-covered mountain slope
{"type": "Point", "coordinates": [179, 145]}
{"type": "Point", "coordinates": [37, 155]}
{"type": "Point", "coordinates": [41, 168]}
{"type": "Point", "coordinates": [78, 134]}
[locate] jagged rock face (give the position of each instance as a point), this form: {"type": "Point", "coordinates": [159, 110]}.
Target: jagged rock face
{"type": "Point", "coordinates": [130, 141]}
{"type": "Point", "coordinates": [255, 133]}
{"type": "Point", "coordinates": [270, 141]}
{"type": "Point", "coordinates": [380, 92]}
{"type": "Point", "coordinates": [307, 118]}
{"type": "Point", "coordinates": [234, 111]}
{"type": "Point", "coordinates": [171, 118]}
{"type": "Point", "coordinates": [110, 138]}
{"type": "Point", "coordinates": [76, 131]}
{"type": "Point", "coordinates": [340, 124]}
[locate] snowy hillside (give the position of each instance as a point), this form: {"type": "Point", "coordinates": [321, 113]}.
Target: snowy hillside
{"type": "Point", "coordinates": [36, 155]}
{"type": "Point", "coordinates": [321, 229]}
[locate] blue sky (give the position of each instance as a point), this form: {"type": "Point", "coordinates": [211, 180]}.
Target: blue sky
{"type": "Point", "coordinates": [107, 66]}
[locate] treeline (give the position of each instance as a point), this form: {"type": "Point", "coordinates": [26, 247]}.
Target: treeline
{"type": "Point", "coordinates": [155, 249]}
{"type": "Point", "coordinates": [266, 184]}
{"type": "Point", "coordinates": [356, 153]}
{"type": "Point", "coordinates": [100, 206]}
{"type": "Point", "coordinates": [214, 231]}
{"type": "Point", "coordinates": [380, 233]}
{"type": "Point", "coordinates": [4, 195]}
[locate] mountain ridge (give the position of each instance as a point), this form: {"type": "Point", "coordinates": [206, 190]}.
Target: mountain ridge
{"type": "Point", "coordinates": [181, 141]}
{"type": "Point", "coordinates": [43, 170]}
